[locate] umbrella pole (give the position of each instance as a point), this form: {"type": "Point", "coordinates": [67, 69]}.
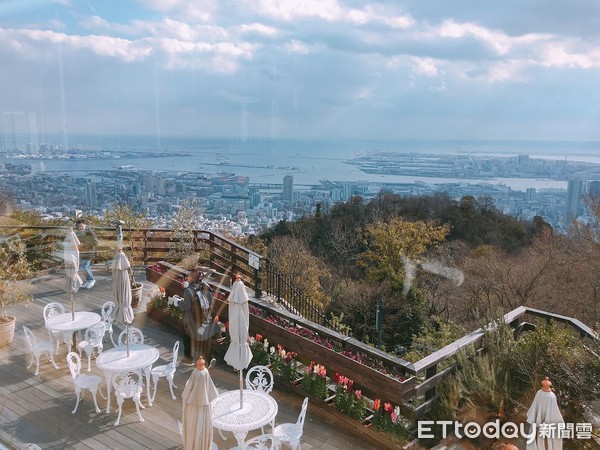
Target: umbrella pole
{"type": "Point", "coordinates": [72, 307]}
{"type": "Point", "coordinates": [241, 391]}
{"type": "Point", "coordinates": [127, 337]}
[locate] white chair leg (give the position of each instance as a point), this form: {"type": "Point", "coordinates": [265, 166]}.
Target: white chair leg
{"type": "Point", "coordinates": [111, 338]}
{"type": "Point", "coordinates": [155, 382]}
{"type": "Point", "coordinates": [89, 357]}
{"type": "Point", "coordinates": [93, 391]}
{"type": "Point", "coordinates": [120, 402]}
{"type": "Point", "coordinates": [137, 407]}
{"type": "Point", "coordinates": [171, 386]}
{"type": "Point", "coordinates": [51, 358]}
{"type": "Point", "coordinates": [37, 364]}
{"type": "Point", "coordinates": [78, 392]}
{"type": "Point", "coordinates": [30, 360]}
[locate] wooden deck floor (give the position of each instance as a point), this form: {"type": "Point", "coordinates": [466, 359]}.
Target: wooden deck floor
{"type": "Point", "coordinates": [37, 409]}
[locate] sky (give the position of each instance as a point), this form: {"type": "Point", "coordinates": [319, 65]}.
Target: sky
{"type": "Point", "coordinates": [279, 69]}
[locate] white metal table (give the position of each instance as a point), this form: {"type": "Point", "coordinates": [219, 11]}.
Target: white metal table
{"type": "Point", "coordinates": [115, 360]}
{"type": "Point", "coordinates": [259, 410]}
{"type": "Point", "coordinates": [66, 324]}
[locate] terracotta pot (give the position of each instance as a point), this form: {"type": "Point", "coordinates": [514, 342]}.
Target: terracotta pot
{"type": "Point", "coordinates": [136, 294]}
{"type": "Point", "coordinates": [7, 330]}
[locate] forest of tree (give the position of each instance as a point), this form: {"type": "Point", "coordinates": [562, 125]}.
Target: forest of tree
{"type": "Point", "coordinates": [435, 261]}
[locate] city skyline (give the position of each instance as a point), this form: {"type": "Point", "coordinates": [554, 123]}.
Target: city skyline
{"type": "Point", "coordinates": [313, 69]}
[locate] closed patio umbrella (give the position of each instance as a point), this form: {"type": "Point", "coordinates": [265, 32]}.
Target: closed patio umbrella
{"type": "Point", "coordinates": [71, 257]}
{"type": "Point", "coordinates": [197, 429]}
{"type": "Point", "coordinates": [544, 410]}
{"type": "Point", "coordinates": [121, 285]}
{"type": "Point", "coordinates": [239, 354]}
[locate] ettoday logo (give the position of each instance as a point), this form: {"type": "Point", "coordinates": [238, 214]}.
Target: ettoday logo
{"type": "Point", "coordinates": [508, 430]}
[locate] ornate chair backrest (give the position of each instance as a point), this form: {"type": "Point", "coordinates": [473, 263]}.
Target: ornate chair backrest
{"type": "Point", "coordinates": [53, 309]}
{"type": "Point", "coordinates": [129, 383]}
{"type": "Point", "coordinates": [107, 313]}
{"type": "Point", "coordinates": [74, 362]}
{"type": "Point", "coordinates": [302, 416]}
{"type": "Point", "coordinates": [132, 334]}
{"type": "Point", "coordinates": [260, 378]}
{"type": "Point", "coordinates": [175, 355]}
{"type": "Point", "coordinates": [95, 334]}
{"type": "Point", "coordinates": [30, 338]}
{"type": "Point", "coordinates": [261, 442]}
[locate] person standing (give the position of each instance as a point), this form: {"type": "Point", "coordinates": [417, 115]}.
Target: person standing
{"type": "Point", "coordinates": [87, 251]}
{"type": "Point", "coordinates": [196, 306]}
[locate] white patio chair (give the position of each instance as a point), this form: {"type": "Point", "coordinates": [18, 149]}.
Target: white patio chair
{"type": "Point", "coordinates": [166, 371]}
{"type": "Point", "coordinates": [106, 312]}
{"type": "Point", "coordinates": [37, 349]}
{"type": "Point", "coordinates": [260, 378]}
{"type": "Point", "coordinates": [129, 385]}
{"type": "Point", "coordinates": [55, 309]}
{"type": "Point", "coordinates": [83, 382]}
{"type": "Point", "coordinates": [132, 334]}
{"type": "Point", "coordinates": [292, 432]}
{"type": "Point", "coordinates": [262, 442]}
{"type": "Point", "coordinates": [93, 338]}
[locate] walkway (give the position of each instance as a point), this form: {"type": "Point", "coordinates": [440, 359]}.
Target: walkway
{"type": "Point", "coordinates": [37, 409]}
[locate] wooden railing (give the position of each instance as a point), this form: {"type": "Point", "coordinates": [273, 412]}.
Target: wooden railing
{"type": "Point", "coordinates": [146, 246]}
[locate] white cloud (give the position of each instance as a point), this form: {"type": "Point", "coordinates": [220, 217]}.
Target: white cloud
{"type": "Point", "coordinates": [380, 15]}
{"type": "Point", "coordinates": [100, 45]}
{"type": "Point", "coordinates": [425, 66]}
{"type": "Point", "coordinates": [570, 56]}
{"type": "Point", "coordinates": [498, 41]}
{"type": "Point", "coordinates": [290, 10]}
{"type": "Point", "coordinates": [94, 23]}
{"type": "Point", "coordinates": [196, 10]}
{"type": "Point", "coordinates": [295, 46]}
{"type": "Point", "coordinates": [259, 28]}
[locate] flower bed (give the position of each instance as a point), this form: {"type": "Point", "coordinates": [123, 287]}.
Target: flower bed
{"type": "Point", "coordinates": [336, 346]}
{"type": "Point", "coordinates": [311, 346]}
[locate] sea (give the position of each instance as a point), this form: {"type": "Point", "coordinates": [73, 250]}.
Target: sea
{"type": "Point", "coordinates": [309, 161]}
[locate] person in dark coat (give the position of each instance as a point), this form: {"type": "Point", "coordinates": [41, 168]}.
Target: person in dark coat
{"type": "Point", "coordinates": [196, 306]}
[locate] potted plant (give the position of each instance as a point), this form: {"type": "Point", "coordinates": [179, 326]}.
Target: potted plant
{"type": "Point", "coordinates": [14, 288]}
{"type": "Point", "coordinates": [136, 289]}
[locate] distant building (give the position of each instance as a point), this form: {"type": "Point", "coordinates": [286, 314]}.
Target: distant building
{"type": "Point", "coordinates": [530, 194]}
{"type": "Point", "coordinates": [91, 197]}
{"type": "Point", "coordinates": [347, 191]}
{"type": "Point", "coordinates": [288, 188]}
{"type": "Point", "coordinates": [574, 190]}
{"type": "Point", "coordinates": [594, 188]}
{"type": "Point", "coordinates": [523, 160]}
